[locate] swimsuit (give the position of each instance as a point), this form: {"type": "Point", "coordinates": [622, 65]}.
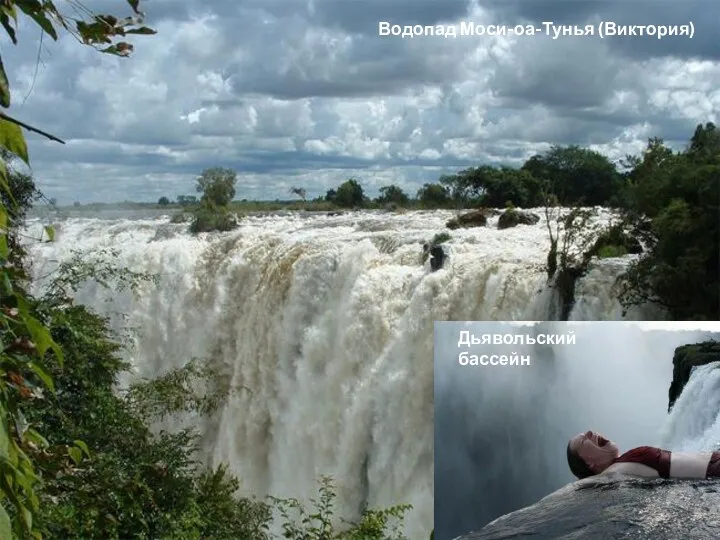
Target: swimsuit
{"type": "Point", "coordinates": [655, 462]}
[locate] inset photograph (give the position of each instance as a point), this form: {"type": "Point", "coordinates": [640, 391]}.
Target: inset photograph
{"type": "Point", "coordinates": [577, 430]}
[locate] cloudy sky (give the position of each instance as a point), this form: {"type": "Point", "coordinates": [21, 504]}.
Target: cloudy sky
{"type": "Point", "coordinates": [307, 93]}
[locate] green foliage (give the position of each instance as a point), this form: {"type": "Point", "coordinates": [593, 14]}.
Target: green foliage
{"type": "Point", "coordinates": [433, 195]}
{"type": "Point", "coordinates": [207, 219]}
{"type": "Point", "coordinates": [319, 525]}
{"type": "Point", "coordinates": [610, 251]}
{"type": "Point", "coordinates": [614, 241]}
{"type": "Point", "coordinates": [217, 186]}
{"type": "Point", "coordinates": [573, 235]}
{"type": "Point", "coordinates": [576, 175]}
{"type": "Point", "coordinates": [349, 194]}
{"type": "Point", "coordinates": [199, 386]}
{"type": "Point", "coordinates": [392, 194]}
{"type": "Point", "coordinates": [18, 197]}
{"type": "Point", "coordinates": [439, 238]}
{"type": "Point", "coordinates": [673, 204]}
{"type": "Point", "coordinates": [12, 139]}
{"type": "Point", "coordinates": [493, 187]}
{"type": "Point", "coordinates": [187, 200]}
{"type": "Point", "coordinates": [129, 483]}
{"type": "Point", "coordinates": [163, 201]}
{"type": "Point", "coordinates": [99, 266]}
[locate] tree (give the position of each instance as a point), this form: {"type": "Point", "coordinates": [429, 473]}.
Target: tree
{"type": "Point", "coordinates": [300, 192]}
{"type": "Point", "coordinates": [217, 186]}
{"type": "Point", "coordinates": [705, 142]}
{"type": "Point", "coordinates": [349, 194]}
{"type": "Point", "coordinates": [163, 201]}
{"type": "Point", "coordinates": [576, 175]}
{"type": "Point", "coordinates": [392, 194]}
{"type": "Point", "coordinates": [186, 200]}
{"type": "Point", "coordinates": [22, 370]}
{"type": "Point", "coordinates": [507, 184]}
{"type": "Point", "coordinates": [433, 195]}
{"type": "Point", "coordinates": [673, 204]}
{"type": "Point", "coordinates": [468, 185]}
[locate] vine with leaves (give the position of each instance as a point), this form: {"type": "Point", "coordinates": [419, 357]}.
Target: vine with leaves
{"type": "Point", "coordinates": [26, 343]}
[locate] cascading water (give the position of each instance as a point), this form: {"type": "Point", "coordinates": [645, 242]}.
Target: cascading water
{"type": "Point", "coordinates": [328, 320]}
{"type": "Point", "coordinates": [501, 432]}
{"type": "Point", "coordinates": [694, 422]}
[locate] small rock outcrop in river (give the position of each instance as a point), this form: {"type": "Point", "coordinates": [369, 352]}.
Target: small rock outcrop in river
{"type": "Point", "coordinates": [476, 218]}
{"type": "Point", "coordinates": [616, 506]}
{"type": "Point", "coordinates": [513, 218]}
{"type": "Point", "coordinates": [437, 255]}
{"type": "Point", "coordinates": [686, 358]}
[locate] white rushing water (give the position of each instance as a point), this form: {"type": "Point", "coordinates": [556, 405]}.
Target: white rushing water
{"type": "Point", "coordinates": [329, 321]}
{"type": "Point", "coordinates": [694, 422]}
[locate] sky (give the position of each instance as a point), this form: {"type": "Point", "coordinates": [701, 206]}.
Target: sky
{"type": "Point", "coordinates": [306, 93]}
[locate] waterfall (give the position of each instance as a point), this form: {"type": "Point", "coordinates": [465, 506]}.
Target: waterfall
{"type": "Point", "coordinates": [328, 320]}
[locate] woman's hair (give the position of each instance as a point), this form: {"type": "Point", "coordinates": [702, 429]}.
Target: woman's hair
{"type": "Point", "coordinates": [577, 464]}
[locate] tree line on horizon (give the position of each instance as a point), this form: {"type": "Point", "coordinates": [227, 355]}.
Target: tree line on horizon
{"type": "Point", "coordinates": [573, 175]}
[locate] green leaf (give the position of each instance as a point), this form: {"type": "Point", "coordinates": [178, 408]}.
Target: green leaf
{"type": "Point", "coordinates": [40, 335]}
{"type": "Point", "coordinates": [12, 138]}
{"type": "Point", "coordinates": [50, 231]}
{"type": "Point", "coordinates": [35, 437]}
{"type": "Point", "coordinates": [75, 454]}
{"type": "Point", "coordinates": [121, 49]}
{"type": "Point", "coordinates": [4, 440]}
{"type": "Point", "coordinates": [4, 87]}
{"type": "Point", "coordinates": [5, 527]}
{"type": "Point", "coordinates": [5, 21]}
{"type": "Point", "coordinates": [4, 185]}
{"type": "Point", "coordinates": [43, 375]}
{"type": "Point", "coordinates": [3, 235]}
{"type": "Point", "coordinates": [135, 5]}
{"type": "Point", "coordinates": [7, 284]}
{"type": "Point", "coordinates": [143, 30]}
{"type": "Point", "coordinates": [10, 11]}
{"type": "Point", "coordinates": [83, 447]}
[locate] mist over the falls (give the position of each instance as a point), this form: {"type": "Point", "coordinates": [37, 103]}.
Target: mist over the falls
{"type": "Point", "coordinates": [501, 432]}
{"type": "Point", "coordinates": [328, 321]}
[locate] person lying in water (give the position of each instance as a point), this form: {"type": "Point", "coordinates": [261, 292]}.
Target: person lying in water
{"type": "Point", "coordinates": [590, 453]}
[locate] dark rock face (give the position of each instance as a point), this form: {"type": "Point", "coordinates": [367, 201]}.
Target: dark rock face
{"type": "Point", "coordinates": [476, 218]}
{"type": "Point", "coordinates": [616, 506]}
{"type": "Point", "coordinates": [437, 257]}
{"type": "Point", "coordinates": [513, 218]}
{"type": "Point", "coordinates": [686, 358]}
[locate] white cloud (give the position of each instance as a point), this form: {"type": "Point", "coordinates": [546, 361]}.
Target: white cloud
{"type": "Point", "coordinates": [286, 93]}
